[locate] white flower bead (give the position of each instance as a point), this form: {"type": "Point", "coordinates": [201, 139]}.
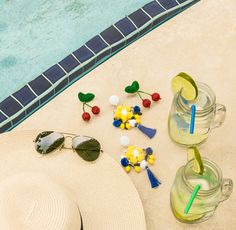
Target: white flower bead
{"type": "Point", "coordinates": [124, 141]}
{"type": "Point", "coordinates": [135, 153]}
{"type": "Point", "coordinates": [143, 164]}
{"type": "Point", "coordinates": [114, 100]}
{"type": "Point", "coordinates": [132, 123]}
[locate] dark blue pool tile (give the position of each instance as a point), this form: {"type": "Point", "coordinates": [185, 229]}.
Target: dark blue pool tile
{"type": "Point", "coordinates": [47, 97]}
{"type": "Point", "coordinates": [39, 85]}
{"type": "Point", "coordinates": [111, 35]}
{"type": "Point", "coordinates": [83, 53]}
{"type": "Point", "coordinates": [18, 118]}
{"type": "Point", "coordinates": [2, 117]}
{"type": "Point", "coordinates": [153, 8]}
{"type": "Point", "coordinates": [96, 44]}
{"type": "Point", "coordinates": [76, 75]}
{"type": "Point", "coordinates": [10, 106]}
{"type": "Point", "coordinates": [69, 63]}
{"type": "Point", "coordinates": [125, 26]}
{"type": "Point", "coordinates": [54, 73]}
{"type": "Point", "coordinates": [61, 85]}
{"type": "Point", "coordinates": [33, 107]}
{"type": "Point", "coordinates": [24, 95]}
{"type": "Point", "coordinates": [168, 3]}
{"type": "Point", "coordinates": [5, 127]}
{"type": "Point", "coordinates": [139, 18]}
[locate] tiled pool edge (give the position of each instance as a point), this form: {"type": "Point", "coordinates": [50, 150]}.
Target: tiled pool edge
{"type": "Point", "coordinates": [20, 105]}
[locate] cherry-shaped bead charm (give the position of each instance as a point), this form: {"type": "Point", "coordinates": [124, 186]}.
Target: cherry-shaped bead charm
{"type": "Point", "coordinates": [134, 89]}
{"type": "Point", "coordinates": [95, 110]}
{"type": "Point", "coordinates": [86, 116]}
{"type": "Point", "coordinates": [156, 97]}
{"type": "Point", "coordinates": [85, 99]}
{"type": "Point", "coordinates": [146, 103]}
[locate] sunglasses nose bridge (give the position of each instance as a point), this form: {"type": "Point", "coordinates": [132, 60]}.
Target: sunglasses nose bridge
{"type": "Point", "coordinates": [66, 146]}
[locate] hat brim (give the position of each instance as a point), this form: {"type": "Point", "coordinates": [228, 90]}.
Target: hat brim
{"type": "Point", "coordinates": [105, 195]}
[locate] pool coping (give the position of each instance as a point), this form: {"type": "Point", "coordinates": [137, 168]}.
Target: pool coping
{"type": "Point", "coordinates": [36, 93]}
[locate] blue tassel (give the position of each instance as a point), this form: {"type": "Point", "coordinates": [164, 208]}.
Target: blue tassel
{"type": "Point", "coordinates": [153, 180]}
{"type": "Point", "coordinates": [147, 131]}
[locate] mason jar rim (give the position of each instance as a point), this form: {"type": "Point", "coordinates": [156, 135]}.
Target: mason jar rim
{"type": "Point", "coordinates": [216, 170]}
{"type": "Point", "coordinates": [205, 88]}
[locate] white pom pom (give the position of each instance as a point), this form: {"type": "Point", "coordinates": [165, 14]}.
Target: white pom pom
{"type": "Point", "coordinates": [114, 100]}
{"type": "Point", "coordinates": [143, 164]}
{"type": "Point", "coordinates": [124, 141]}
{"type": "Point", "coordinates": [132, 122]}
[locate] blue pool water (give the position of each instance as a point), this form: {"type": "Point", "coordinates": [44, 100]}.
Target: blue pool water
{"type": "Point", "coordinates": [34, 35]}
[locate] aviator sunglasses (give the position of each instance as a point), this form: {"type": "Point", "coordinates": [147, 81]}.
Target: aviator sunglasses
{"type": "Point", "coordinates": [86, 147]}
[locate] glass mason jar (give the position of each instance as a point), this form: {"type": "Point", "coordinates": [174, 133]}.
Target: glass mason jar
{"type": "Point", "coordinates": [209, 115]}
{"type": "Point", "coordinates": [213, 190]}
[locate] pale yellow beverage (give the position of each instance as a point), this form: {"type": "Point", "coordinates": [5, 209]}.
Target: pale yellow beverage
{"type": "Point", "coordinates": [208, 115]}
{"type": "Point", "coordinates": [208, 197]}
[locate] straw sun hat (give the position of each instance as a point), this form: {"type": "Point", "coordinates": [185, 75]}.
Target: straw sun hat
{"type": "Point", "coordinates": [61, 191]}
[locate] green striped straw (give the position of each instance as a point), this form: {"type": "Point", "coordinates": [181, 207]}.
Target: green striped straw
{"type": "Point", "coordinates": [190, 202]}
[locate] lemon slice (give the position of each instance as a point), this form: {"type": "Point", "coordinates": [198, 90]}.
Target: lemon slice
{"type": "Point", "coordinates": [193, 154]}
{"type": "Point", "coordinates": [184, 83]}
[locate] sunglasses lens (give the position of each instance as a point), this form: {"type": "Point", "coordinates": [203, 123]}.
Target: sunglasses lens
{"type": "Point", "coordinates": [48, 141]}
{"type": "Point", "coordinates": [87, 148]}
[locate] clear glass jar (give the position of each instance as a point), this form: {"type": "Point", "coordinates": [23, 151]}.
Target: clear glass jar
{"type": "Point", "coordinates": [213, 190]}
{"type": "Point", "coordinates": [209, 115]}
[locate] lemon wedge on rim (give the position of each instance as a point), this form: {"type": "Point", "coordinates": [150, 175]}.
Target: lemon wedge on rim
{"type": "Point", "coordinates": [193, 154]}
{"type": "Point", "coordinates": [184, 83]}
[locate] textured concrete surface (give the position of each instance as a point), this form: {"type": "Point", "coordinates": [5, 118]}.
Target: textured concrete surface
{"type": "Point", "coordinates": [202, 42]}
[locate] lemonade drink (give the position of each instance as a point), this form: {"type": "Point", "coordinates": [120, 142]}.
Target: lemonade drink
{"type": "Point", "coordinates": [207, 198]}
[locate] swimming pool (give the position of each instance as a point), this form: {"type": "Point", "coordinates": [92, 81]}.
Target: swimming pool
{"type": "Point", "coordinates": [33, 58]}
{"type": "Point", "coordinates": [34, 35]}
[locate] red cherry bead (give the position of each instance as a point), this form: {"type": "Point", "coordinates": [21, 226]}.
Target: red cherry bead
{"type": "Point", "coordinates": [146, 103]}
{"type": "Point", "coordinates": [86, 116]}
{"type": "Point", "coordinates": [156, 97]}
{"type": "Point", "coordinates": [95, 110]}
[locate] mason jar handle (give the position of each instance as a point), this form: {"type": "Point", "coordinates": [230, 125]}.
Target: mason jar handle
{"type": "Point", "coordinates": [219, 116]}
{"type": "Point", "coordinates": [226, 188]}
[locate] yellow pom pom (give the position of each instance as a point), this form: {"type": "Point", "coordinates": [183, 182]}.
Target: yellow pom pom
{"type": "Point", "coordinates": [150, 161]}
{"type": "Point", "coordinates": [128, 108]}
{"type": "Point", "coordinates": [129, 115]}
{"type": "Point", "coordinates": [118, 114]}
{"type": "Point", "coordinates": [127, 169]}
{"type": "Point", "coordinates": [127, 125]}
{"type": "Point", "coordinates": [136, 116]}
{"type": "Point", "coordinates": [128, 154]}
{"type": "Point", "coordinates": [138, 121]}
{"type": "Point", "coordinates": [122, 126]}
{"type": "Point", "coordinates": [131, 148]}
{"type": "Point", "coordinates": [140, 158]}
{"type": "Point", "coordinates": [152, 157]}
{"type": "Point", "coordinates": [133, 160]}
{"type": "Point", "coordinates": [119, 108]}
{"type": "Point", "coordinates": [137, 169]}
{"type": "Point", "coordinates": [124, 118]}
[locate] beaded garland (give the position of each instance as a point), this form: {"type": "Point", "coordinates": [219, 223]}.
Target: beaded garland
{"type": "Point", "coordinates": [138, 159]}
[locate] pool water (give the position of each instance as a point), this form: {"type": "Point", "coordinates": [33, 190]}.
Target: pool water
{"type": "Point", "coordinates": [34, 35]}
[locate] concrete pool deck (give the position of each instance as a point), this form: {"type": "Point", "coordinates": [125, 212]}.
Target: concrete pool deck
{"type": "Point", "coordinates": [202, 42]}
